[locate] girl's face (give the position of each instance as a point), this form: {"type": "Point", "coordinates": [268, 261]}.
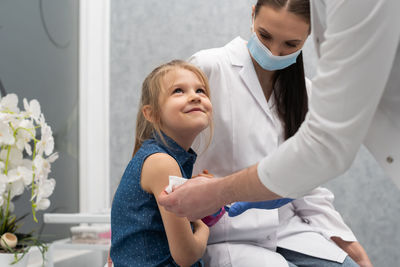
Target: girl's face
{"type": "Point", "coordinates": [185, 107]}
{"type": "Point", "coordinates": [281, 31]}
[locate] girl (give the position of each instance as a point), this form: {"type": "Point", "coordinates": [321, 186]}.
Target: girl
{"type": "Point", "coordinates": [175, 107]}
{"type": "Point", "coordinates": [259, 85]}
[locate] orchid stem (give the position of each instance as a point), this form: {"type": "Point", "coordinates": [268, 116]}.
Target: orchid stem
{"type": "Point", "coordinates": [33, 182]}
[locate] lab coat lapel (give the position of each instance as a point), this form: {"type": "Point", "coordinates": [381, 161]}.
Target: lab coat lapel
{"type": "Point", "coordinates": [249, 77]}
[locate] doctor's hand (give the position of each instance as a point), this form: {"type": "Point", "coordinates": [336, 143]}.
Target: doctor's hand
{"type": "Point", "coordinates": [195, 199]}
{"type": "Point", "coordinates": [240, 207]}
{"type": "Point", "coordinates": [355, 251]}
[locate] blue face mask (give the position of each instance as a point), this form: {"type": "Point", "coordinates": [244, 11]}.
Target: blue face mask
{"type": "Point", "coordinates": [266, 59]}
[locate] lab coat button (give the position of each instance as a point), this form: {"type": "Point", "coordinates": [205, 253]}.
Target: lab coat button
{"type": "Point", "coordinates": [268, 237]}
{"type": "Point", "coordinates": [389, 159]}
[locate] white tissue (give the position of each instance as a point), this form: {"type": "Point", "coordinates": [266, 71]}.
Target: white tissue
{"type": "Point", "coordinates": [174, 181]}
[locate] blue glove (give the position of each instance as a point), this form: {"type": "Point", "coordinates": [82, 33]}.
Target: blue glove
{"type": "Point", "coordinates": [240, 207]}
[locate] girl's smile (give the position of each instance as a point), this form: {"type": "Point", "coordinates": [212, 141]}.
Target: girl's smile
{"type": "Point", "coordinates": [195, 109]}
{"type": "Point", "coordinates": [186, 108]}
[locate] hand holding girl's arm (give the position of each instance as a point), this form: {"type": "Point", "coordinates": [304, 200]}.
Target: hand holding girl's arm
{"type": "Point", "coordinates": [185, 246]}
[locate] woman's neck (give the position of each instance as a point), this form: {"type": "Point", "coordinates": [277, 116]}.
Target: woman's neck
{"type": "Point", "coordinates": [265, 77]}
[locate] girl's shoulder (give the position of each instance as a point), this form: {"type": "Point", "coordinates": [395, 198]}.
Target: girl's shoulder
{"type": "Point", "coordinates": [149, 147]}
{"type": "Point", "coordinates": [160, 160]}
{"type": "Point", "coordinates": [156, 171]}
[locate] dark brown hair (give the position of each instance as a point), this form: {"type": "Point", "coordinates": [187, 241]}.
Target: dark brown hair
{"type": "Point", "coordinates": [289, 84]}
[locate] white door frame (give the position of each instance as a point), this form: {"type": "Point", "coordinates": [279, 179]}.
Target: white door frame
{"type": "Point", "coordinates": [94, 62]}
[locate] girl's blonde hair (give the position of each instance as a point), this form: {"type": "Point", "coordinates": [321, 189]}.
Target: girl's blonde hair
{"type": "Point", "coordinates": [152, 89]}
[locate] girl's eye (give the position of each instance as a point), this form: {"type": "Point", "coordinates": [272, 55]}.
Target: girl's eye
{"type": "Point", "coordinates": [200, 91]}
{"type": "Point", "coordinates": [177, 91]}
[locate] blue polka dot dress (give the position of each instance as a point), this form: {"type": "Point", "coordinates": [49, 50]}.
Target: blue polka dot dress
{"type": "Point", "coordinates": [138, 236]}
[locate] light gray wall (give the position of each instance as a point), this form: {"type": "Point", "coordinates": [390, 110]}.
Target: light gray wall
{"type": "Point", "coordinates": [39, 59]}
{"type": "Point", "coordinates": [147, 33]}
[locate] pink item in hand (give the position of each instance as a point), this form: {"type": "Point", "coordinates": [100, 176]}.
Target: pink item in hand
{"type": "Point", "coordinates": [210, 220]}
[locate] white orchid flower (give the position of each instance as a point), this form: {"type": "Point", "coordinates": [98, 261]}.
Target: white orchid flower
{"type": "Point", "coordinates": [9, 103]}
{"type": "Point", "coordinates": [53, 157]}
{"type": "Point", "coordinates": [42, 204]}
{"type": "Point", "coordinates": [46, 188]}
{"type": "Point", "coordinates": [32, 108]}
{"type": "Point", "coordinates": [42, 168]}
{"type": "Point", "coordinates": [3, 184]}
{"type": "Point", "coordinates": [15, 158]}
{"type": "Point", "coordinates": [13, 176]}
{"type": "Point", "coordinates": [20, 173]}
{"type": "Point", "coordinates": [27, 163]}
{"type": "Point", "coordinates": [9, 118]}
{"type": "Point", "coordinates": [16, 180]}
{"type": "Point", "coordinates": [46, 144]}
{"type": "Point", "coordinates": [41, 119]}
{"type": "Point", "coordinates": [17, 132]}
{"type": "Point", "coordinates": [17, 187]}
{"type": "Point", "coordinates": [24, 135]}
{"type": "Point", "coordinates": [28, 149]}
{"type": "Point", "coordinates": [6, 134]}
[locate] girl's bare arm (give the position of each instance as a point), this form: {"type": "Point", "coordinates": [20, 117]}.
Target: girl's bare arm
{"type": "Point", "coordinates": [186, 246]}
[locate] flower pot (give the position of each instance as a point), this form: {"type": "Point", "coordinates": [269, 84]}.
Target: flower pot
{"type": "Point", "coordinates": [7, 258]}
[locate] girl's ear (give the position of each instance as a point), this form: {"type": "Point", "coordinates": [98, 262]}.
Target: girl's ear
{"type": "Point", "coordinates": [148, 113]}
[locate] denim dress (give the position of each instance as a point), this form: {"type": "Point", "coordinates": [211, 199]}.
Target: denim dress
{"type": "Point", "coordinates": [138, 235]}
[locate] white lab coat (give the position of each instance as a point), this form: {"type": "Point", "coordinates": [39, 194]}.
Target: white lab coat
{"type": "Point", "coordinates": [352, 102]}
{"type": "Point", "coordinates": [246, 129]}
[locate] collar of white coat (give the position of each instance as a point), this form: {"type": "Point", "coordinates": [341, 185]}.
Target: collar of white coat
{"type": "Point", "coordinates": [237, 56]}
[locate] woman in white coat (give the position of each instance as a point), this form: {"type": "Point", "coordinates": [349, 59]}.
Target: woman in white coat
{"type": "Point", "coordinates": [354, 102]}
{"type": "Point", "coordinates": [258, 105]}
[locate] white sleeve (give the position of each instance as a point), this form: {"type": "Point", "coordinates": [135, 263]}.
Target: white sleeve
{"type": "Point", "coordinates": [316, 208]}
{"type": "Point", "coordinates": [356, 59]}
{"type": "Point", "coordinates": [204, 60]}
{"type": "Point", "coordinates": [309, 89]}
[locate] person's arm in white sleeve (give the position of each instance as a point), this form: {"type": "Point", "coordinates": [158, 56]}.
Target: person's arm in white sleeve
{"type": "Point", "coordinates": [206, 61]}
{"type": "Point", "coordinates": [356, 59]}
